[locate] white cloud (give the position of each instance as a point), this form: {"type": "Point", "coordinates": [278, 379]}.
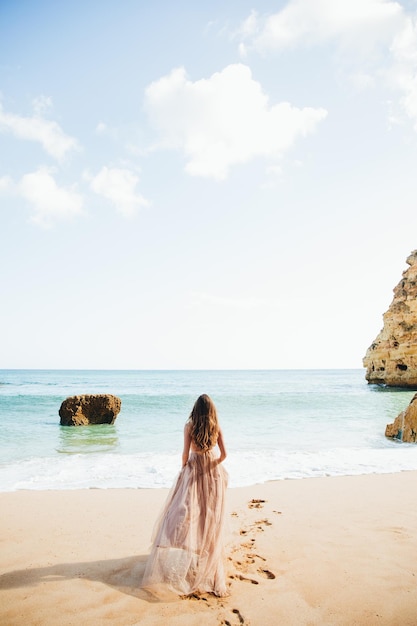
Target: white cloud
{"type": "Point", "coordinates": [250, 25]}
{"type": "Point", "coordinates": [242, 50]}
{"type": "Point", "coordinates": [49, 201]}
{"type": "Point", "coordinates": [41, 105]}
{"type": "Point", "coordinates": [224, 120]}
{"type": "Point", "coordinates": [6, 183]}
{"type": "Point", "coordinates": [402, 75]}
{"type": "Point", "coordinates": [46, 132]}
{"type": "Point", "coordinates": [101, 128]}
{"type": "Point", "coordinates": [378, 39]}
{"type": "Point", "coordinates": [354, 22]}
{"type": "Point", "coordinates": [119, 187]}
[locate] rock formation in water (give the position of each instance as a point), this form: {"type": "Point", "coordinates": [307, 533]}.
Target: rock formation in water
{"type": "Point", "coordinates": [392, 358]}
{"type": "Point", "coordinates": [89, 409]}
{"type": "Point", "coordinates": [405, 424]}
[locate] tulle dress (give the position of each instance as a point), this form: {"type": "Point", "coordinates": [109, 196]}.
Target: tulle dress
{"type": "Point", "coordinates": [187, 547]}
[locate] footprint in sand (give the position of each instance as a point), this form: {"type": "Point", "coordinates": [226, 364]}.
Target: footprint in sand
{"type": "Point", "coordinates": [238, 614]}
{"type": "Point", "coordinates": [195, 596]}
{"type": "Point", "coordinates": [266, 573]}
{"type": "Point", "coordinates": [246, 580]}
{"type": "Point", "coordinates": [256, 504]}
{"type": "Point", "coordinates": [256, 526]}
{"type": "Point", "coordinates": [239, 565]}
{"type": "Point", "coordinates": [265, 521]}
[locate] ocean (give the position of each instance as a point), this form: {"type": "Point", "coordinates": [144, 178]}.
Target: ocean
{"type": "Point", "coordinates": [277, 425]}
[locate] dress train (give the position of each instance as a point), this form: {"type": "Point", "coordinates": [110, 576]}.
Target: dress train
{"type": "Point", "coordinates": [187, 549]}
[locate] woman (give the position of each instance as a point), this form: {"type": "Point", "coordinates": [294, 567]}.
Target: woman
{"type": "Point", "coordinates": [187, 551]}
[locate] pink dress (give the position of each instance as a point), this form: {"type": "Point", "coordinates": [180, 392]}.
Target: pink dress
{"type": "Point", "coordinates": [187, 551]}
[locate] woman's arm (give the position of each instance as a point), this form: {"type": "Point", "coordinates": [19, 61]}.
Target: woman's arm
{"type": "Point", "coordinates": [222, 447]}
{"type": "Point", "coordinates": [187, 443]}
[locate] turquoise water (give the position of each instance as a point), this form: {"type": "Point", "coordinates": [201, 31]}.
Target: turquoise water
{"type": "Point", "coordinates": [277, 424]}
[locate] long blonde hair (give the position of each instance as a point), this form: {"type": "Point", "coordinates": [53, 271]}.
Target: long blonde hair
{"type": "Point", "coordinates": [203, 424]}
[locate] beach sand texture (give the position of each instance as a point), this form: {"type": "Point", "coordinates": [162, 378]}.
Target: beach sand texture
{"type": "Point", "coordinates": [321, 551]}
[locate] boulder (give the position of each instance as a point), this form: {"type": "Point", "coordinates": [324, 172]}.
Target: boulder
{"type": "Point", "coordinates": [405, 424]}
{"type": "Point", "coordinates": [89, 409]}
{"type": "Point", "coordinates": [391, 359]}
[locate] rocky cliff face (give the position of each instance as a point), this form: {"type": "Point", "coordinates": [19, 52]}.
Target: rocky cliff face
{"type": "Point", "coordinates": [392, 357]}
{"type": "Point", "coordinates": [405, 424]}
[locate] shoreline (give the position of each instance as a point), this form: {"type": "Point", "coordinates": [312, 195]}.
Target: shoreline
{"type": "Point", "coordinates": [229, 488]}
{"type": "Point", "coordinates": [324, 551]}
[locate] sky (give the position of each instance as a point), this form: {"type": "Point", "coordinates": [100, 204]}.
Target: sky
{"type": "Point", "coordinates": [203, 185]}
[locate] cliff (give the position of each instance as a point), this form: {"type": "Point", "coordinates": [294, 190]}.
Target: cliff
{"type": "Point", "coordinates": [405, 424]}
{"type": "Point", "coordinates": [392, 358]}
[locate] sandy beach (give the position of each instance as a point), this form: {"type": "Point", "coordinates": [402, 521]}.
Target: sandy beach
{"type": "Point", "coordinates": [322, 551]}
